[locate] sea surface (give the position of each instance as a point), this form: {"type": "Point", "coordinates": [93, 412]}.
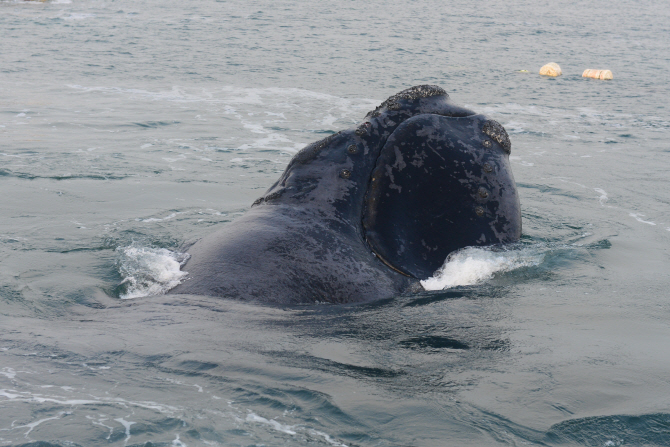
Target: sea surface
{"type": "Point", "coordinates": [130, 129]}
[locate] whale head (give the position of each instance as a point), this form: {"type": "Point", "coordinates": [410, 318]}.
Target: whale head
{"type": "Point", "coordinates": [417, 179]}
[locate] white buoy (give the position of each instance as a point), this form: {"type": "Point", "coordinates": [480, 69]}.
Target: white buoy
{"type": "Point", "coordinates": [597, 74]}
{"type": "Point", "coordinates": [551, 69]}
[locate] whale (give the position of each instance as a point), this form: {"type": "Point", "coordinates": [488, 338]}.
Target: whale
{"type": "Point", "coordinates": [368, 212]}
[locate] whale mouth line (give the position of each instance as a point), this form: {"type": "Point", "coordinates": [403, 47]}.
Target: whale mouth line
{"type": "Point", "coordinates": [387, 263]}
{"type": "Point", "coordinates": [374, 165]}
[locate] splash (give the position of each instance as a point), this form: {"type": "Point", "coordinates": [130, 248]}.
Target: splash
{"type": "Point", "coordinates": [149, 271]}
{"type": "Point", "coordinates": [473, 265]}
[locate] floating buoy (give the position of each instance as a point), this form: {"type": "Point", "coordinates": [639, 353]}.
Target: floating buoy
{"type": "Point", "coordinates": [597, 74]}
{"type": "Point", "coordinates": [551, 69]}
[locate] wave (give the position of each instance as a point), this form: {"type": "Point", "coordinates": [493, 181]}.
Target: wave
{"type": "Point", "coordinates": [148, 271]}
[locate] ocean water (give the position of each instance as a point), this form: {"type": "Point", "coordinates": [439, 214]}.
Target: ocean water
{"type": "Point", "coordinates": [131, 129]}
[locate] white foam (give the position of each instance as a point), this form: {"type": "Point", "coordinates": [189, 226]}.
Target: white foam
{"type": "Point", "coordinates": [178, 382]}
{"type": "Point", "coordinates": [328, 120]}
{"type": "Point", "coordinates": [24, 396]}
{"type": "Point", "coordinates": [100, 423]}
{"type": "Point", "coordinates": [8, 372]}
{"type": "Point", "coordinates": [8, 395]}
{"type": "Point", "coordinates": [639, 217]}
{"type": "Point", "coordinates": [273, 141]}
{"type": "Point", "coordinates": [252, 417]}
{"type": "Point", "coordinates": [515, 127]}
{"type": "Point", "coordinates": [32, 425]}
{"type": "Point", "coordinates": [251, 107]}
{"type": "Point", "coordinates": [473, 265]}
{"type": "Point", "coordinates": [326, 437]}
{"type": "Point", "coordinates": [149, 271]}
{"type": "Point", "coordinates": [156, 219]}
{"type": "Point", "coordinates": [105, 421]}
{"type": "Point", "coordinates": [172, 160]}
{"type": "Point", "coordinates": [567, 180]}
{"type": "Point", "coordinates": [603, 196]}
{"type": "Point", "coordinates": [126, 425]}
{"type": "Point", "coordinates": [78, 16]}
{"type": "Point", "coordinates": [291, 429]}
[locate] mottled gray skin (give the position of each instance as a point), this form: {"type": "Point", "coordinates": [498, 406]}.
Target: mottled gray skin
{"type": "Point", "coordinates": [364, 214]}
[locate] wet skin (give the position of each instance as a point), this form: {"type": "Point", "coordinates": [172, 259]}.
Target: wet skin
{"type": "Point", "coordinates": [365, 213]}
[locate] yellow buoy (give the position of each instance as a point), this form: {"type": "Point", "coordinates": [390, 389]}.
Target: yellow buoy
{"type": "Point", "coordinates": [551, 69]}
{"type": "Point", "coordinates": [597, 74]}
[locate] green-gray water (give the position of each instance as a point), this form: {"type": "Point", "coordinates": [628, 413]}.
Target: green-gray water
{"type": "Point", "coordinates": [128, 129]}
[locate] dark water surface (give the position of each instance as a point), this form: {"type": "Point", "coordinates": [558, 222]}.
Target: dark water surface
{"type": "Point", "coordinates": [128, 129]}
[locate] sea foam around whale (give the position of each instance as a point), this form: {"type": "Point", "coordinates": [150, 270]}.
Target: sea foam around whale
{"type": "Point", "coordinates": [149, 271]}
{"type": "Point", "coordinates": [153, 271]}
{"type": "Point", "coordinates": [473, 265]}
